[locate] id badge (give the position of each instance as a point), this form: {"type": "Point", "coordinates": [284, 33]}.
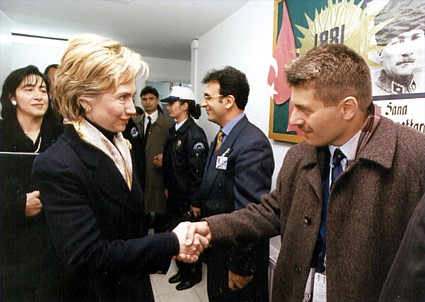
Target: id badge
{"type": "Point", "coordinates": [221, 163]}
{"type": "Point", "coordinates": [319, 291]}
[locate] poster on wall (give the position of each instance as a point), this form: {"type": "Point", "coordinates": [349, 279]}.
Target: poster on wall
{"type": "Point", "coordinates": [389, 34]}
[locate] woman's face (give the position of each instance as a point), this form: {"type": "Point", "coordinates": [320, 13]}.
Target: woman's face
{"type": "Point", "coordinates": [112, 110]}
{"type": "Point", "coordinates": [31, 97]}
{"type": "Point", "coordinates": [177, 110]}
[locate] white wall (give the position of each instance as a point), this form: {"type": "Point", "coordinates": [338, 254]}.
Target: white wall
{"type": "Point", "coordinates": [5, 45]}
{"type": "Point", "coordinates": [43, 52]}
{"type": "Point", "coordinates": [244, 41]}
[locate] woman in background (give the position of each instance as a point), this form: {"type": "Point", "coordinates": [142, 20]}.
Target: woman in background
{"type": "Point", "coordinates": [184, 158]}
{"type": "Point", "coordinates": [27, 126]}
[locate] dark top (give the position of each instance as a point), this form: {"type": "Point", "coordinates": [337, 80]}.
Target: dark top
{"type": "Point", "coordinates": [97, 225]}
{"type": "Point", "coordinates": [184, 159]}
{"type": "Point", "coordinates": [21, 237]}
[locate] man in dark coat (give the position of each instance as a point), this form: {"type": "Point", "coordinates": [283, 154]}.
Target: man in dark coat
{"type": "Point", "coordinates": [406, 280]}
{"type": "Point", "coordinates": [340, 234]}
{"type": "Point", "coordinates": [239, 170]}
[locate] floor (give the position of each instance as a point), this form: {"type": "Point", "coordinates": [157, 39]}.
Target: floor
{"type": "Point", "coordinates": [166, 292]}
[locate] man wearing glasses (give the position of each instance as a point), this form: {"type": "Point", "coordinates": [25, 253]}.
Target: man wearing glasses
{"type": "Point", "coordinates": [239, 170]}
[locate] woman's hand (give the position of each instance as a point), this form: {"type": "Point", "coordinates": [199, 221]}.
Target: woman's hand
{"type": "Point", "coordinates": [33, 205]}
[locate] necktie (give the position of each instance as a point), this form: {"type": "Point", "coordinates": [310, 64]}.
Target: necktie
{"type": "Point", "coordinates": [336, 164]}
{"type": "Point", "coordinates": [218, 142]}
{"type": "Point", "coordinates": [320, 250]}
{"type": "Point", "coordinates": [148, 126]}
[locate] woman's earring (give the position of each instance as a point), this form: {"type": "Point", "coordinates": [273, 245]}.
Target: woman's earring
{"type": "Point", "coordinates": [13, 102]}
{"type": "Point", "coordinates": [87, 109]}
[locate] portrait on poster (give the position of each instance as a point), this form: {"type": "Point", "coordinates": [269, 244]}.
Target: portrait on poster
{"type": "Point", "coordinates": [389, 34]}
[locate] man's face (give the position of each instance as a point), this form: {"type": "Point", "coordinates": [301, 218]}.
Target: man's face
{"type": "Point", "coordinates": [404, 54]}
{"type": "Point", "coordinates": [150, 103]}
{"type": "Point", "coordinates": [320, 125]}
{"type": "Point", "coordinates": [51, 74]}
{"type": "Point", "coordinates": [213, 103]}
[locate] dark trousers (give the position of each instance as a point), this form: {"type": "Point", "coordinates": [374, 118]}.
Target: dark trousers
{"type": "Point", "coordinates": [218, 279]}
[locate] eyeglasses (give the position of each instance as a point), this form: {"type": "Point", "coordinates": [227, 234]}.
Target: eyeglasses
{"type": "Point", "coordinates": [210, 97]}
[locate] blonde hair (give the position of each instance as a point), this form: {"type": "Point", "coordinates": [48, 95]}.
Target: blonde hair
{"type": "Point", "coordinates": [93, 65]}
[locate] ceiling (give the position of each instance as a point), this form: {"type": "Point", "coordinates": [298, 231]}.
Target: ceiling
{"type": "Point", "coordinates": [160, 28]}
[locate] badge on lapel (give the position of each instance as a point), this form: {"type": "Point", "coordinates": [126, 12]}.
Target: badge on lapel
{"type": "Point", "coordinates": [222, 160]}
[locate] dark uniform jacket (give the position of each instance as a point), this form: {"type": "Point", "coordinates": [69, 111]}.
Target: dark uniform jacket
{"type": "Point", "coordinates": [97, 225]}
{"type": "Point", "coordinates": [185, 154]}
{"type": "Point", "coordinates": [370, 205]}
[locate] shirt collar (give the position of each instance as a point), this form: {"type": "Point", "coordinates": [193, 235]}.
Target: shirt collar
{"type": "Point", "coordinates": [154, 117]}
{"type": "Point", "coordinates": [349, 148]}
{"type": "Point", "coordinates": [229, 126]}
{"type": "Point", "coordinates": [178, 125]}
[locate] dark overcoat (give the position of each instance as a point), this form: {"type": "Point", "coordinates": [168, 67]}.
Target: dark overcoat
{"type": "Point", "coordinates": [97, 225]}
{"type": "Point", "coordinates": [406, 280]}
{"type": "Point", "coordinates": [370, 205]}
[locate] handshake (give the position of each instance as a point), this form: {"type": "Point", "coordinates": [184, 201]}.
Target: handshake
{"type": "Point", "coordinates": [193, 239]}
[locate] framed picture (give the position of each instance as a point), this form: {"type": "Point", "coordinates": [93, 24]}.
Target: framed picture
{"type": "Point", "coordinates": [387, 33]}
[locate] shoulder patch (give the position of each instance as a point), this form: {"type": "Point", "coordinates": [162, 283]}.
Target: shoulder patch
{"type": "Point", "coordinates": [198, 147]}
{"type": "Point", "coordinates": [134, 133]}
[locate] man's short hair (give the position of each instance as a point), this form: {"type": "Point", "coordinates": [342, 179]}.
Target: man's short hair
{"type": "Point", "coordinates": [149, 89]}
{"type": "Point", "coordinates": [232, 82]}
{"type": "Point", "coordinates": [334, 72]}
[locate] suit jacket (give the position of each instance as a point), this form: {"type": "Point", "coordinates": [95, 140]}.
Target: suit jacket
{"type": "Point", "coordinates": [406, 280]}
{"type": "Point", "coordinates": [370, 205]}
{"type": "Point", "coordinates": [97, 225]}
{"type": "Point", "coordinates": [248, 175]}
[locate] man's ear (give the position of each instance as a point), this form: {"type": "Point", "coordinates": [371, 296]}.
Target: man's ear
{"type": "Point", "coordinates": [229, 101]}
{"type": "Point", "coordinates": [349, 107]}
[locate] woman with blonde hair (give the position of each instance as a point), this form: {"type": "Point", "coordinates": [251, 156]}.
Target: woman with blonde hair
{"type": "Point", "coordinates": [93, 201]}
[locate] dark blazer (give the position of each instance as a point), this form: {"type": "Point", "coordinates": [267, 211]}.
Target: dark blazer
{"type": "Point", "coordinates": [247, 176]}
{"type": "Point", "coordinates": [370, 205]}
{"type": "Point", "coordinates": [97, 225]}
{"type": "Point", "coordinates": [406, 280]}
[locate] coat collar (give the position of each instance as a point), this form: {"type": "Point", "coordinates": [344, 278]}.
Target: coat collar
{"type": "Point", "coordinates": [105, 174]}
{"type": "Point", "coordinates": [380, 149]}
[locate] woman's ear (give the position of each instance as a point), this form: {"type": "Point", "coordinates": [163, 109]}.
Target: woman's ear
{"type": "Point", "coordinates": [12, 100]}
{"type": "Point", "coordinates": [185, 106]}
{"type": "Point", "coordinates": [84, 103]}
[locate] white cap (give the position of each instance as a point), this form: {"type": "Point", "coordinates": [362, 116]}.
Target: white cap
{"type": "Point", "coordinates": [180, 93]}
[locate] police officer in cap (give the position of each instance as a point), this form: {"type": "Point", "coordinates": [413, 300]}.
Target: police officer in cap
{"type": "Point", "coordinates": [184, 159]}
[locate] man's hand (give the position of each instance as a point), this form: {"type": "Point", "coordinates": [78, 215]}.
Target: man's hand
{"type": "Point", "coordinates": [237, 282]}
{"type": "Point", "coordinates": [33, 205]}
{"type": "Point", "coordinates": [189, 252]}
{"type": "Point", "coordinates": [198, 228]}
{"type": "Point", "coordinates": [196, 211]}
{"type": "Point", "coordinates": [157, 160]}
